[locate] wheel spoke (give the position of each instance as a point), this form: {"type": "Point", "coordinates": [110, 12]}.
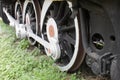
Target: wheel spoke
{"type": "Point", "coordinates": [33, 24]}
{"type": "Point", "coordinates": [19, 11]}
{"type": "Point", "coordinates": [56, 8]}
{"type": "Point", "coordinates": [68, 50]}
{"type": "Point", "coordinates": [61, 9]}
{"type": "Point", "coordinates": [31, 10]}
{"type": "Point", "coordinates": [66, 28]}
{"type": "Point", "coordinates": [32, 14]}
{"type": "Point", "coordinates": [69, 39]}
{"type": "Point", "coordinates": [33, 19]}
{"type": "Point", "coordinates": [65, 17]}
{"type": "Point", "coordinates": [52, 13]}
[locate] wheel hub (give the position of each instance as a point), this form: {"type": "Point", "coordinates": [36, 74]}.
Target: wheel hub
{"type": "Point", "coordinates": [52, 30]}
{"type": "Point", "coordinates": [52, 34]}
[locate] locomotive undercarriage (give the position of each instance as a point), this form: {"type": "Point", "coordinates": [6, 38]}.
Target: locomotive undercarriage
{"type": "Point", "coordinates": [71, 31]}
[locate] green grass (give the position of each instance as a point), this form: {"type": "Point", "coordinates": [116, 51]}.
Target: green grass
{"type": "Point", "coordinates": [19, 63]}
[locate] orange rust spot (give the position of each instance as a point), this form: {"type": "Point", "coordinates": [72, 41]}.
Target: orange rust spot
{"type": "Point", "coordinates": [51, 31]}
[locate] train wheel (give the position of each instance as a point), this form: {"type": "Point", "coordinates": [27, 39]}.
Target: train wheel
{"type": "Point", "coordinates": [31, 15]}
{"type": "Point", "coordinates": [57, 23]}
{"type": "Point", "coordinates": [18, 11]}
